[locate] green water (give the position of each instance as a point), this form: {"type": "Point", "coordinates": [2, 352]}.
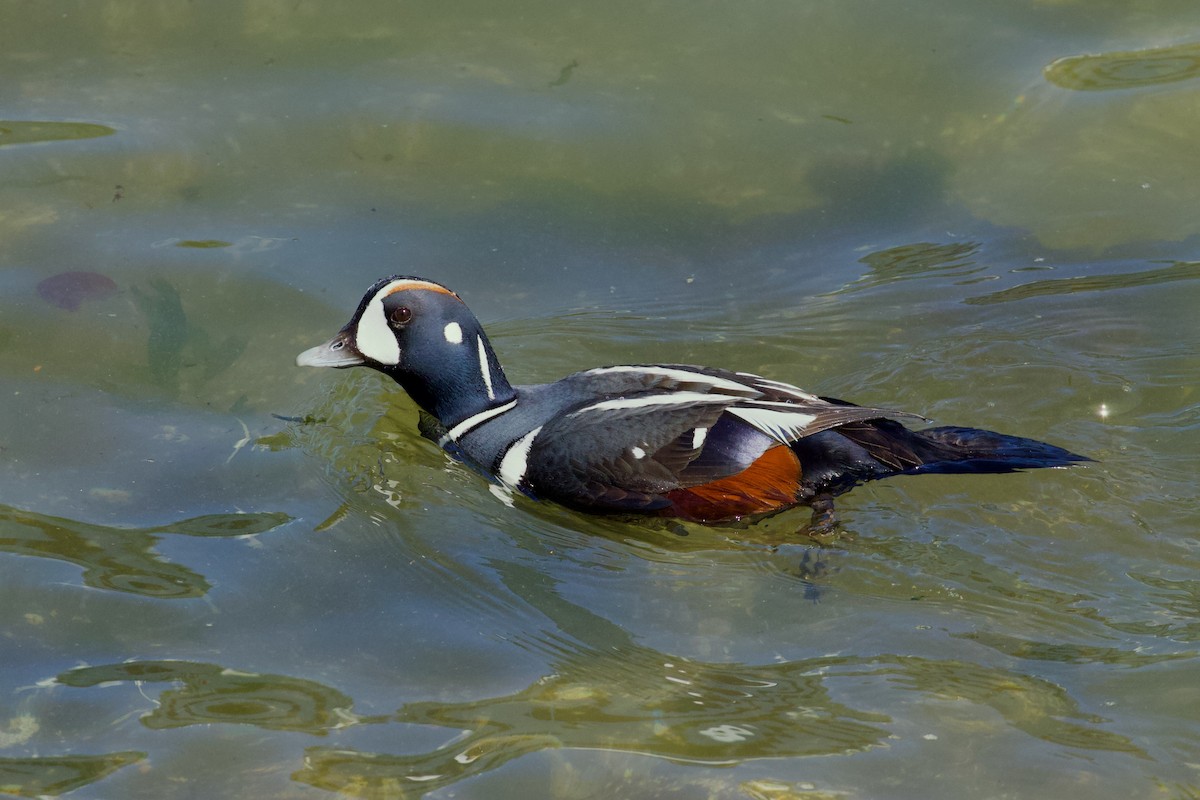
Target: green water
{"type": "Point", "coordinates": [224, 576]}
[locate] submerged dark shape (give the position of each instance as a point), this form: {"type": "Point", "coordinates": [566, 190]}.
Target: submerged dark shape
{"type": "Point", "coordinates": [703, 444]}
{"type": "Point", "coordinates": [69, 289]}
{"type": "Point", "coordinates": [51, 776]}
{"type": "Point", "coordinates": [122, 559]}
{"type": "Point", "coordinates": [21, 131]}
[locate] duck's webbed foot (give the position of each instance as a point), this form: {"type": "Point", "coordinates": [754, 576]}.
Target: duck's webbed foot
{"type": "Point", "coordinates": [430, 427]}
{"type": "Point", "coordinates": [824, 522]}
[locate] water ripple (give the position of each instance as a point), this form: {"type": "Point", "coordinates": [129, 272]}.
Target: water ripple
{"type": "Point", "coordinates": [50, 776]}
{"type": "Point", "coordinates": [1176, 271]}
{"type": "Point", "coordinates": [122, 559]}
{"type": "Point", "coordinates": [917, 260]}
{"type": "Point", "coordinates": [209, 693]}
{"type": "Point", "coordinates": [1126, 69]}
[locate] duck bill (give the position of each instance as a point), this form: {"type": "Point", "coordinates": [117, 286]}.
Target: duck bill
{"type": "Point", "coordinates": [338, 352]}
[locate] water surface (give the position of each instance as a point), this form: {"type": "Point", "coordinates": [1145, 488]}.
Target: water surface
{"type": "Point", "coordinates": [223, 576]}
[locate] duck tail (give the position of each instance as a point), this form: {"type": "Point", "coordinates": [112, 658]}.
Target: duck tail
{"type": "Point", "coordinates": [836, 459]}
{"type": "Point", "coordinates": [951, 449]}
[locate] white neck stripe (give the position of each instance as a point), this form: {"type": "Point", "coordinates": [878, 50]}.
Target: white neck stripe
{"type": "Point", "coordinates": [485, 367]}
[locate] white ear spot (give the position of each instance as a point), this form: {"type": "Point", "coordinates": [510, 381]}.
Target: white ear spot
{"type": "Point", "coordinates": [374, 337]}
{"type": "Point", "coordinates": [453, 333]}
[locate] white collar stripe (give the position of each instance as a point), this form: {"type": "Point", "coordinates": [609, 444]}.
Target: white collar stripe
{"type": "Point", "coordinates": [515, 463]}
{"type": "Point", "coordinates": [471, 422]}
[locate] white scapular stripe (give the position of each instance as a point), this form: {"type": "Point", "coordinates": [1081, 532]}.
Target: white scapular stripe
{"type": "Point", "coordinates": [733, 387]}
{"type": "Point", "coordinates": [672, 399]}
{"type": "Point", "coordinates": [698, 437]}
{"type": "Point", "coordinates": [516, 460]}
{"type": "Point", "coordinates": [374, 337]}
{"type": "Point", "coordinates": [782, 426]}
{"type": "Point", "coordinates": [637, 452]}
{"type": "Point", "coordinates": [781, 387]}
{"type": "Point", "coordinates": [485, 368]}
{"type": "Point", "coordinates": [453, 333]}
{"type": "Point", "coordinates": [785, 404]}
{"type": "Point", "coordinates": [470, 422]}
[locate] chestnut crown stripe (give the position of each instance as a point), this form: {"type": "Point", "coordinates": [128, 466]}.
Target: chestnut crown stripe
{"type": "Point", "coordinates": [405, 284]}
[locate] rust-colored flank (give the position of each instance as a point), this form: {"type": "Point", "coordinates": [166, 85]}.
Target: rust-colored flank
{"type": "Point", "coordinates": [770, 483]}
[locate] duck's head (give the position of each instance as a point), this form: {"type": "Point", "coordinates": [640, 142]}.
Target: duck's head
{"type": "Point", "coordinates": [424, 337]}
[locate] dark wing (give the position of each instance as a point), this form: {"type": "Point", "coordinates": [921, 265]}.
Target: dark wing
{"type": "Point", "coordinates": [781, 410]}
{"type": "Point", "coordinates": [661, 428]}
{"type": "Point", "coordinates": [622, 453]}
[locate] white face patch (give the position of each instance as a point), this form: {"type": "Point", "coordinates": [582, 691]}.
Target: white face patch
{"type": "Point", "coordinates": [453, 333]}
{"type": "Point", "coordinates": [374, 337]}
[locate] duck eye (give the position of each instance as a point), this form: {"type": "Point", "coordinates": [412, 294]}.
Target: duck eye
{"type": "Point", "coordinates": [400, 315]}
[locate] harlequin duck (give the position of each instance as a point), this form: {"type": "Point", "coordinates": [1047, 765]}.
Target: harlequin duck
{"type": "Point", "coordinates": [703, 444]}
